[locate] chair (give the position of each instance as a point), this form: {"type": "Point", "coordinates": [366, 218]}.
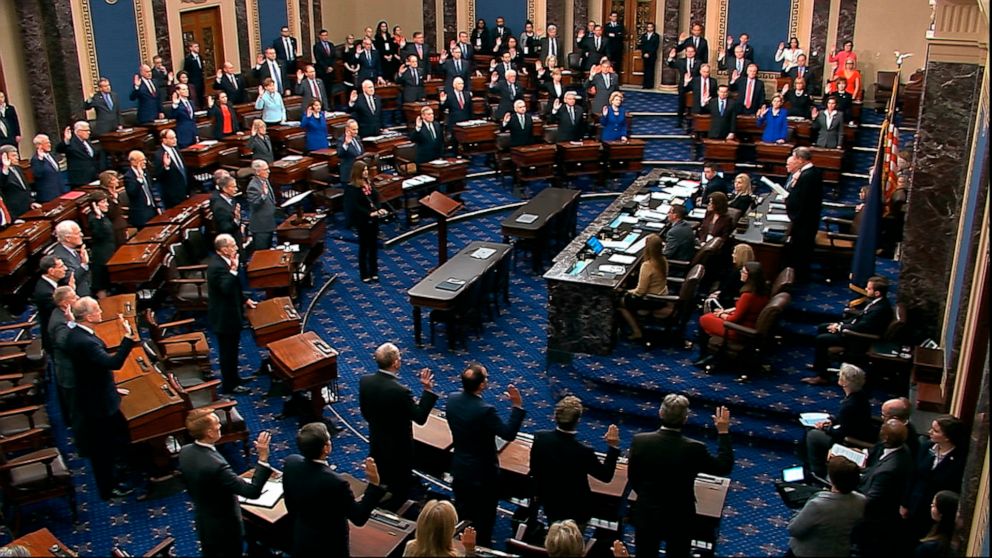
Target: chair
{"type": "Point", "coordinates": [750, 343]}
{"type": "Point", "coordinates": [404, 159]}
{"type": "Point", "coordinates": [884, 84]}
{"type": "Point", "coordinates": [866, 349]}
{"type": "Point", "coordinates": [15, 392]}
{"type": "Point", "coordinates": [324, 183]}
{"type": "Point", "coordinates": [523, 549]}
{"type": "Point", "coordinates": [205, 130]}
{"type": "Point", "coordinates": [186, 287]}
{"type": "Point", "coordinates": [834, 247]}
{"type": "Point", "coordinates": [203, 395]}
{"type": "Point", "coordinates": [671, 312]}
{"type": "Point", "coordinates": [188, 373]}
{"type": "Point", "coordinates": [230, 159]}
{"type": "Point", "coordinates": [504, 164]}
{"type": "Point", "coordinates": [23, 419]}
{"type": "Point", "coordinates": [702, 257]}
{"type": "Point", "coordinates": [196, 247]}
{"type": "Point", "coordinates": [182, 348]}
{"type": "Point", "coordinates": [160, 550]}
{"type": "Point", "coordinates": [36, 476]}
{"type": "Point", "coordinates": [296, 143]}
{"type": "Point", "coordinates": [783, 283]}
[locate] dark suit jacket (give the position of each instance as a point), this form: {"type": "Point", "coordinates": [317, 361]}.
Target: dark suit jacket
{"type": "Point", "coordinates": [592, 54]}
{"type": "Point", "coordinates": [73, 266]}
{"type": "Point", "coordinates": [226, 300]}
{"type": "Point", "coordinates": [662, 469]}
{"type": "Point", "coordinates": [804, 205]}
{"type": "Point", "coordinates": [603, 92]}
{"type": "Point", "coordinates": [520, 136]}
{"type": "Point", "coordinates": [218, 118]}
{"type": "Point", "coordinates": [716, 184]}
{"type": "Point", "coordinates": [16, 191]}
{"type": "Point", "coordinates": [320, 504]}
{"type": "Point", "coordinates": [412, 84]}
{"type": "Point", "coordinates": [428, 147]}
{"type": "Point", "coordinates": [48, 181]}
{"type": "Point", "coordinates": [324, 59]}
{"type": "Point", "coordinates": [107, 119]}
{"type": "Point", "coordinates": [474, 425]}
{"type": "Point", "coordinates": [680, 242]}
{"type": "Point", "coordinates": [224, 220]}
{"type": "Point", "coordinates": [873, 319]}
{"type": "Point", "coordinates": [346, 157]}
{"type": "Point", "coordinates": [650, 47]}
{"type": "Point", "coordinates": [96, 392]}
{"type": "Point", "coordinates": [757, 96]}
{"type": "Point", "coordinates": [799, 105]}
{"type": "Point", "coordinates": [214, 489]}
{"type": "Point", "coordinates": [306, 90]}
{"type": "Point", "coordinates": [450, 72]}
{"type": "Point", "coordinates": [720, 126]}
{"type": "Point", "coordinates": [702, 49]}
{"type": "Point", "coordinates": [185, 124]}
{"type": "Point", "coordinates": [263, 207]}
{"type": "Point", "coordinates": [559, 465]}
{"type": "Point", "coordinates": [369, 121]}
{"type": "Point", "coordinates": [82, 167]}
{"type": "Point", "coordinates": [42, 299]}
{"type": "Point", "coordinates": [722, 228]}
{"type": "Point", "coordinates": [281, 53]}
{"type": "Point", "coordinates": [235, 91]}
{"type": "Point", "coordinates": [388, 407]}
{"type": "Point", "coordinates": [809, 74]}
{"type": "Point", "coordinates": [928, 480]}
{"type": "Point", "coordinates": [58, 332]}
{"type": "Point", "coordinates": [424, 62]}
{"type": "Point", "coordinates": [730, 64]}
{"type": "Point", "coordinates": [369, 67]}
{"type": "Point", "coordinates": [171, 181]}
{"type": "Point", "coordinates": [263, 72]}
{"type": "Point", "coordinates": [681, 65]}
{"type": "Point", "coordinates": [506, 97]}
{"type": "Point", "coordinates": [149, 104]}
{"type": "Point", "coordinates": [140, 212]}
{"type": "Point", "coordinates": [13, 124]}
{"type": "Point", "coordinates": [884, 482]}
{"type": "Point", "coordinates": [853, 418]}
{"type": "Point", "coordinates": [831, 136]}
{"type": "Point", "coordinates": [569, 129]}
{"type": "Point", "coordinates": [457, 113]}
{"type": "Point", "coordinates": [261, 148]}
{"type": "Point", "coordinates": [545, 46]}
{"type": "Point", "coordinates": [195, 70]}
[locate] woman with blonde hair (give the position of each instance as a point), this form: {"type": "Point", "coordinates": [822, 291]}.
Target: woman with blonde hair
{"type": "Point", "coordinates": [730, 284]}
{"type": "Point", "coordinates": [614, 119]}
{"type": "Point", "coordinates": [564, 539]}
{"type": "Point", "coordinates": [652, 279]}
{"type": "Point", "coordinates": [436, 532]}
{"type": "Point", "coordinates": [743, 196]}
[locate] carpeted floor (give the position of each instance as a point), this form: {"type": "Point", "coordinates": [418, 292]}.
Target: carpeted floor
{"type": "Point", "coordinates": [624, 388]}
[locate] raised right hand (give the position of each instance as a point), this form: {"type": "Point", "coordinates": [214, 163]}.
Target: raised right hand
{"type": "Point", "coordinates": [671, 53]}
{"type": "Point", "coordinates": [137, 80]}
{"type": "Point", "coordinates": [166, 160]}
{"type": "Point", "coordinates": [299, 76]}
{"type": "Point", "coordinates": [426, 379]}
{"type": "Point", "coordinates": [814, 112]}
{"type": "Point", "coordinates": [442, 96]}
{"type": "Point", "coordinates": [606, 110]}
{"type": "Point", "coordinates": [371, 471]}
{"type": "Point", "coordinates": [262, 445]}
{"type": "Point", "coordinates": [612, 436]}
{"type": "Point", "coordinates": [506, 118]}
{"type": "Point", "coordinates": [730, 41]}
{"type": "Point", "coordinates": [220, 74]}
{"type": "Point", "coordinates": [259, 59]}
{"type": "Point", "coordinates": [353, 97]}
{"type": "Point", "coordinates": [261, 90]}
{"type": "Point", "coordinates": [210, 101]}
{"type": "Point", "coordinates": [619, 550]}
{"type": "Point", "coordinates": [514, 395]}
{"type": "Point", "coordinates": [722, 420]}
{"type": "Point", "coordinates": [67, 134]}
{"type": "Point", "coordinates": [781, 46]}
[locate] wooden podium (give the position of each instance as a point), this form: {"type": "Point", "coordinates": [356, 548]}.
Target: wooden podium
{"type": "Point", "coordinates": [444, 207]}
{"type": "Point", "coordinates": [270, 269]}
{"type": "Point", "coordinates": [306, 362]}
{"type": "Point", "coordinates": [308, 230]}
{"type": "Point", "coordinates": [273, 319]}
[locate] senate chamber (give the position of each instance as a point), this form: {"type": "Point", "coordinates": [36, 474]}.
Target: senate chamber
{"type": "Point", "coordinates": [724, 262]}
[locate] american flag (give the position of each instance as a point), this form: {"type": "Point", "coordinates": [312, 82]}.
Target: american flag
{"type": "Point", "coordinates": [891, 163]}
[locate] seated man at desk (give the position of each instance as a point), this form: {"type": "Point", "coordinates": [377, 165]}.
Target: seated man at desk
{"type": "Point", "coordinates": [519, 124]}
{"type": "Point", "coordinates": [680, 243]}
{"type": "Point", "coordinates": [571, 118]}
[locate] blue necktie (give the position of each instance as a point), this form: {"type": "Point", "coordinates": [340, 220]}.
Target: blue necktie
{"type": "Point", "coordinates": [107, 99]}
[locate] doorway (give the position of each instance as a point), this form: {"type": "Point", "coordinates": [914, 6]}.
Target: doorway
{"type": "Point", "coordinates": [635, 15]}
{"type": "Point", "coordinates": [203, 26]}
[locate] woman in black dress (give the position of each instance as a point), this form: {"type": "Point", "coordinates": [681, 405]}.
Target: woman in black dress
{"type": "Point", "coordinates": [388, 49]}
{"type": "Point", "coordinates": [102, 243]}
{"type": "Point", "coordinates": [365, 215]}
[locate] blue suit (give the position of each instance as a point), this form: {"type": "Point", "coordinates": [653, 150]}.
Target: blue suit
{"type": "Point", "coordinates": [48, 180]}
{"type": "Point", "coordinates": [149, 105]}
{"type": "Point", "coordinates": [614, 125]}
{"type": "Point", "coordinates": [185, 124]}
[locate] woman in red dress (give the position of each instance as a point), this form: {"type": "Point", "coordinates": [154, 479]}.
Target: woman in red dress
{"type": "Point", "coordinates": [754, 297]}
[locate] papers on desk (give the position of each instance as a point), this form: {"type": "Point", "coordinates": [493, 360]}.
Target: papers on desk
{"type": "Point", "coordinates": [292, 157]}
{"type": "Point", "coordinates": [711, 493]}
{"type": "Point", "coordinates": [663, 196]}
{"type": "Point", "coordinates": [649, 215]}
{"type": "Point", "coordinates": [334, 113]}
{"type": "Point", "coordinates": [439, 162]}
{"type": "Point", "coordinates": [694, 184]}
{"type": "Point", "coordinates": [417, 181]}
{"type": "Point", "coordinates": [777, 218]}
{"type": "Point", "coordinates": [621, 219]}
{"type": "Point", "coordinates": [483, 253]}
{"type": "Point", "coordinates": [621, 244]}
{"type": "Point", "coordinates": [451, 284]}
{"type": "Point", "coordinates": [526, 218]}
{"type": "Point", "coordinates": [578, 267]}
{"type": "Point", "coordinates": [777, 205]}
{"type": "Point", "coordinates": [858, 457]}
{"type": "Point", "coordinates": [199, 113]}
{"type": "Point", "coordinates": [811, 419]}
{"type": "Point", "coordinates": [271, 493]}
{"type": "Point", "coordinates": [652, 225]}
{"type": "Point", "coordinates": [471, 123]}
{"type": "Point", "coordinates": [642, 199]}
{"type": "Point", "coordinates": [681, 191]}
{"type": "Point", "coordinates": [697, 213]}
{"type": "Point", "coordinates": [636, 247]}
{"type": "Point", "coordinates": [614, 269]}
{"type": "Point", "coordinates": [208, 143]}
{"type": "Point", "coordinates": [622, 259]}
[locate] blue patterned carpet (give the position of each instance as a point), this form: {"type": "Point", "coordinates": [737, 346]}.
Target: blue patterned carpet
{"type": "Point", "coordinates": [624, 388]}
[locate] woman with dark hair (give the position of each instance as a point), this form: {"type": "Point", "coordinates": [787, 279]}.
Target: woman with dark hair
{"type": "Point", "coordinates": [183, 78]}
{"type": "Point", "coordinates": [388, 49]}
{"type": "Point", "coordinates": [716, 222]}
{"type": "Point", "coordinates": [939, 466]}
{"type": "Point", "coordinates": [787, 55]}
{"type": "Point", "coordinates": [102, 244]}
{"type": "Point", "coordinates": [516, 55]}
{"type": "Point", "coordinates": [652, 279]}
{"type": "Point", "coordinates": [943, 513]}
{"type": "Point", "coordinates": [365, 215]}
{"type": "Point", "coordinates": [314, 123]}
{"type": "Point", "coordinates": [754, 297]}
{"type": "Point", "coordinates": [480, 36]}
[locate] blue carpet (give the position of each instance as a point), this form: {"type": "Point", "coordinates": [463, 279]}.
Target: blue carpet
{"type": "Point", "coordinates": [624, 388]}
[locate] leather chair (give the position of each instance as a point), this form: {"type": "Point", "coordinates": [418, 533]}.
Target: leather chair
{"type": "Point", "coordinates": [16, 393]}
{"type": "Point", "coordinates": [324, 184]}
{"type": "Point", "coordinates": [783, 283]}
{"type": "Point", "coordinates": [160, 550]}
{"type": "Point", "coordinates": [296, 143]}
{"type": "Point", "coordinates": [181, 348]}
{"type": "Point", "coordinates": [186, 287]}
{"type": "Point", "coordinates": [884, 84]}
{"type": "Point", "coordinates": [834, 246]}
{"type": "Point", "coordinates": [706, 251]}
{"type": "Point", "coordinates": [671, 312]}
{"type": "Point", "coordinates": [404, 159]}
{"type": "Point", "coordinates": [504, 165]}
{"type": "Point", "coordinates": [36, 476]}
{"type": "Point", "coordinates": [23, 419]}
{"type": "Point", "coordinates": [203, 395]}
{"type": "Point", "coordinates": [188, 374]}
{"type": "Point", "coordinates": [875, 351]}
{"type": "Point", "coordinates": [750, 344]}
{"type": "Point", "coordinates": [205, 130]}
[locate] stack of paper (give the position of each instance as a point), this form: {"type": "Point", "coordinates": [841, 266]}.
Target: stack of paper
{"type": "Point", "coordinates": [812, 419]}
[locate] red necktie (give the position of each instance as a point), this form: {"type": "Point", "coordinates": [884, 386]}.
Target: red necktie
{"type": "Point", "coordinates": [706, 88]}
{"type": "Point", "coordinates": [461, 102]}
{"type": "Point", "coordinates": [313, 86]}
{"type": "Point", "coordinates": [747, 97]}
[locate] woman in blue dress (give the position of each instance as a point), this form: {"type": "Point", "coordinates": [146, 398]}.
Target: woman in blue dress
{"type": "Point", "coordinates": [775, 121]}
{"type": "Point", "coordinates": [269, 101]}
{"type": "Point", "coordinates": [314, 123]}
{"type": "Point", "coordinates": [614, 120]}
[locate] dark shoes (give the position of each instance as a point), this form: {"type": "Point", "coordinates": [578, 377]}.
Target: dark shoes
{"type": "Point", "coordinates": [120, 492]}
{"type": "Point", "coordinates": [816, 381]}
{"type": "Point", "coordinates": [239, 390]}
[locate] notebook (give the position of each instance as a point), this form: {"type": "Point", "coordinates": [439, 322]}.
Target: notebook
{"type": "Point", "coordinates": [451, 284]}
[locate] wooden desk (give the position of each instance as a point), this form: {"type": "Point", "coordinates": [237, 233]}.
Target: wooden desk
{"type": "Point", "coordinates": [188, 214]}
{"type": "Point", "coordinates": [772, 157]}
{"type": "Point", "coordinates": [412, 110]}
{"type": "Point", "coordinates": [66, 206]}
{"type": "Point", "coordinates": [383, 145]}
{"type": "Point", "coordinates": [624, 156]}
{"type": "Point", "coordinates": [136, 364]}
{"type": "Point", "coordinates": [273, 319]}
{"type": "Point", "coordinates": [156, 127]}
{"type": "Point", "coordinates": [37, 235]}
{"type": "Point", "coordinates": [306, 362]}
{"type": "Point", "coordinates": [389, 94]}
{"type": "Point", "coordinates": [475, 138]}
{"type": "Point", "coordinates": [290, 171]}
{"type": "Point", "coordinates": [41, 543]}
{"type": "Point", "coordinates": [580, 158]}
{"type": "Point", "coordinates": [111, 332]}
{"type": "Point", "coordinates": [119, 143]}
{"type": "Point", "coordinates": [450, 174]}
{"type": "Point", "coordinates": [134, 264]}
{"type": "Point", "coordinates": [533, 162]}
{"type": "Point", "coordinates": [308, 231]}
{"type": "Point", "coordinates": [13, 254]}
{"type": "Point", "coordinates": [151, 408]}
{"type": "Point", "coordinates": [241, 142]}
{"type": "Point", "coordinates": [126, 304]}
{"type": "Point", "coordinates": [555, 209]}
{"type": "Point", "coordinates": [329, 156]}
{"type": "Point", "coordinates": [158, 234]}
{"type": "Point", "coordinates": [462, 266]}
{"type": "Point", "coordinates": [270, 269]}
{"type": "Point", "coordinates": [204, 155]}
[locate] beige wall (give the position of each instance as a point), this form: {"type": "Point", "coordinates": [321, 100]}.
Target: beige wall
{"type": "Point", "coordinates": [910, 18]}
{"type": "Point", "coordinates": [15, 76]}
{"type": "Point", "coordinates": [342, 16]}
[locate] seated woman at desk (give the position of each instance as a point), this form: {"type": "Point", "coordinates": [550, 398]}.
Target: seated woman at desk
{"type": "Point", "coordinates": [269, 101]}
{"type": "Point", "coordinates": [716, 222]}
{"type": "Point", "coordinates": [774, 121]}
{"type": "Point", "coordinates": [754, 297]}
{"type": "Point", "coordinates": [652, 279]}
{"type": "Point", "coordinates": [743, 197]}
{"type": "Point", "coordinates": [224, 115]}
{"type": "Point", "coordinates": [729, 288]}
{"type": "Point", "coordinates": [614, 120]}
{"type": "Point", "coordinates": [260, 143]}
{"type": "Point", "coordinates": [314, 123]}
{"type": "Point", "coordinates": [365, 215]}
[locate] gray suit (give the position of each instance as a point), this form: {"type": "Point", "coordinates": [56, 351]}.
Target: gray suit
{"type": "Point", "coordinates": [680, 241]}
{"type": "Point", "coordinates": [107, 118]}
{"type": "Point", "coordinates": [263, 213]}
{"type": "Point", "coordinates": [829, 136]}
{"type": "Point", "coordinates": [306, 90]}
{"type": "Point", "coordinates": [603, 90]}
{"type": "Point", "coordinates": [823, 527]}
{"type": "Point", "coordinates": [73, 265]}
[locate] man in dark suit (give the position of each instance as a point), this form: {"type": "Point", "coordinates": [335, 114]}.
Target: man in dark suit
{"type": "Point", "coordinates": [509, 91]}
{"type": "Point", "coordinates": [268, 66]}
{"type": "Point", "coordinates": [697, 41]}
{"type": "Point", "coordinates": [734, 62]}
{"type": "Point", "coordinates": [231, 83]}
{"type": "Point", "coordinates": [214, 487]}
{"type": "Point", "coordinates": [388, 407]}
{"type": "Point", "coordinates": [320, 501]}
{"type": "Point", "coordinates": [680, 239]}
{"type": "Point", "coordinates": [170, 171]}
{"type": "Point", "coordinates": [873, 319]}
{"type": "Point", "coordinates": [703, 88]}
{"type": "Point", "coordinates": [750, 91]}
{"type": "Point", "coordinates": [560, 465]}
{"type": "Point", "coordinates": [614, 40]}
{"type": "Point", "coordinates": [801, 70]}
{"type": "Point", "coordinates": [226, 211]}
{"type": "Point", "coordinates": [101, 430]}
{"type": "Point", "coordinates": [367, 108]}
{"type": "Point", "coordinates": [349, 149]}
{"type": "Point", "coordinates": [260, 143]}
{"type": "Point", "coordinates": [421, 50]}
{"type": "Point", "coordinates": [48, 181]}
{"type": "Point", "coordinates": [83, 159]}
{"type": "Point", "coordinates": [455, 65]}
{"type": "Point", "coordinates": [500, 32]}
{"type": "Point", "coordinates": [884, 482]}
{"type": "Point", "coordinates": [369, 67]}
{"type": "Point", "coordinates": [457, 103]}
{"type": "Point", "coordinates": [147, 94]}
{"type": "Point", "coordinates": [411, 79]}
{"type": "Point", "coordinates": [828, 125]}
{"type": "Point", "coordinates": [594, 47]}
{"type": "Point", "coordinates": [138, 186]}
{"type": "Point", "coordinates": [224, 309]}
{"type": "Point", "coordinates": [606, 81]}
{"type": "Point", "coordinates": [519, 124]}
{"type": "Point", "coordinates": [744, 45]}
{"type": "Point", "coordinates": [160, 76]}
{"type": "Point", "coordinates": [182, 111]}
{"type": "Point", "coordinates": [311, 87]}
{"type": "Point", "coordinates": [58, 332]}
{"type": "Point", "coordinates": [803, 206]}
{"type": "Point", "coordinates": [713, 181]}
{"type": "Point", "coordinates": [475, 425]}
{"type": "Point", "coordinates": [662, 469]}
{"type": "Point", "coordinates": [13, 184]}
{"type": "Point", "coordinates": [285, 47]}
{"type": "Point", "coordinates": [723, 115]}
{"type": "Point", "coordinates": [464, 45]}
{"type": "Point", "coordinates": [10, 124]}
{"type": "Point", "coordinates": [428, 136]}
{"type": "Point", "coordinates": [688, 69]}
{"type": "Point", "coordinates": [193, 66]}
{"type": "Point", "coordinates": [107, 107]}
{"type": "Point", "coordinates": [262, 203]}
{"type": "Point", "coordinates": [53, 272]}
{"type": "Point", "coordinates": [852, 419]}
{"type": "Point", "coordinates": [324, 55]}
{"type": "Point", "coordinates": [550, 45]}
{"type": "Point", "coordinates": [70, 249]}
{"type": "Point", "coordinates": [648, 44]}
{"type": "Point", "coordinates": [570, 117]}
